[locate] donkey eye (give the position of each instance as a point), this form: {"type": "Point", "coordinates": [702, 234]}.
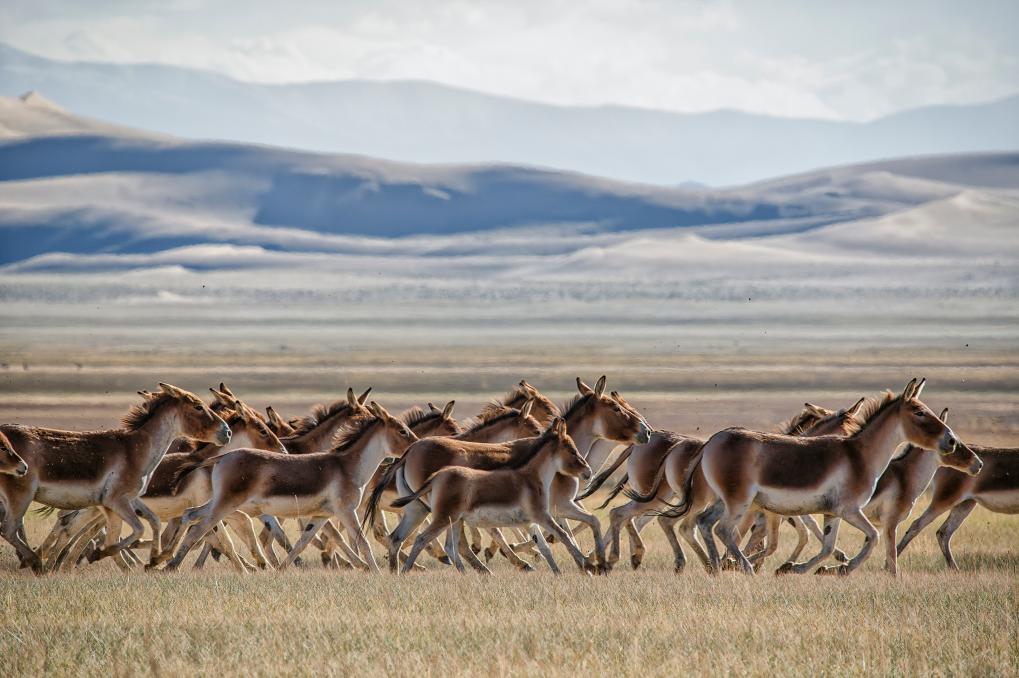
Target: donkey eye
{"type": "Point", "coordinates": [199, 408]}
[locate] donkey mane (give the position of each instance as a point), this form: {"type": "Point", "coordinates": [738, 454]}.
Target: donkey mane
{"type": "Point", "coordinates": [416, 416]}
{"type": "Point", "coordinates": [525, 456]}
{"type": "Point", "coordinates": [319, 413]}
{"type": "Point", "coordinates": [517, 393]}
{"type": "Point", "coordinates": [799, 423]}
{"type": "Point", "coordinates": [142, 412]}
{"type": "Point", "coordinates": [575, 404]}
{"type": "Point", "coordinates": [869, 411]}
{"type": "Point", "coordinates": [353, 431]}
{"type": "Point", "coordinates": [492, 413]}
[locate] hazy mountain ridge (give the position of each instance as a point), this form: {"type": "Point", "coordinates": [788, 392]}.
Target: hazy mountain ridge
{"type": "Point", "coordinates": [427, 122]}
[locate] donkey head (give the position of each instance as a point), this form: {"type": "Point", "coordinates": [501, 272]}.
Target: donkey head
{"type": "Point", "coordinates": [924, 429]}
{"type": "Point", "coordinates": [569, 461]}
{"type": "Point", "coordinates": [10, 462]}
{"type": "Point", "coordinates": [197, 420]}
{"type": "Point", "coordinates": [615, 418]}
{"type": "Point", "coordinates": [250, 431]}
{"type": "Point", "coordinates": [398, 435]}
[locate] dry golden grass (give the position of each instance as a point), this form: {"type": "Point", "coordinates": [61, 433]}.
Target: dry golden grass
{"type": "Point", "coordinates": [650, 622]}
{"type": "Point", "coordinates": [646, 623]}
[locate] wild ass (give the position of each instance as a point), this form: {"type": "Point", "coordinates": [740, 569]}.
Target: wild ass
{"type": "Point", "coordinates": [495, 424]}
{"type": "Point", "coordinates": [590, 416]}
{"type": "Point", "coordinates": [831, 475]}
{"type": "Point", "coordinates": [109, 469]}
{"type": "Point", "coordinates": [310, 486]}
{"type": "Point", "coordinates": [517, 495]}
{"type": "Point", "coordinates": [995, 487]}
{"type": "Point", "coordinates": [247, 430]}
{"type": "Point", "coordinates": [659, 466]}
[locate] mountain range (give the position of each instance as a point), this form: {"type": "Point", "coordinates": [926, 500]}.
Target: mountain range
{"type": "Point", "coordinates": [424, 122]}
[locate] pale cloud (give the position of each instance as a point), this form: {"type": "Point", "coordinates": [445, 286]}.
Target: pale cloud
{"type": "Point", "coordinates": [785, 58]}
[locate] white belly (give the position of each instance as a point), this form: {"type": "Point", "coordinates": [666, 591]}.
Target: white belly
{"type": "Point", "coordinates": [791, 502]}
{"type": "Point", "coordinates": [67, 495]}
{"type": "Point", "coordinates": [287, 507]}
{"type": "Point", "coordinates": [497, 516]}
{"type": "Point", "coordinates": [1006, 501]}
{"type": "Point", "coordinates": [171, 507]}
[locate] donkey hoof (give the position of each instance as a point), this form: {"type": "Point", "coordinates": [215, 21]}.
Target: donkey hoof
{"type": "Point", "coordinates": [839, 570]}
{"type": "Point", "coordinates": [786, 568]}
{"type": "Point", "coordinates": [841, 557]}
{"type": "Point", "coordinates": [635, 561]}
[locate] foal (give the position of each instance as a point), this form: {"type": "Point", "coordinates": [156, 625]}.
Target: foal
{"type": "Point", "coordinates": [518, 495]}
{"type": "Point", "coordinates": [831, 475]}
{"type": "Point", "coordinates": [591, 415]}
{"type": "Point", "coordinates": [109, 469]}
{"type": "Point", "coordinates": [995, 487]}
{"type": "Point", "coordinates": [310, 486]}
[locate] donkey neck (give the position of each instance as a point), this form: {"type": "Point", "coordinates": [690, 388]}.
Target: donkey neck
{"type": "Point", "coordinates": [154, 437]}
{"type": "Point", "coordinates": [543, 466]}
{"type": "Point", "coordinates": [599, 452]}
{"type": "Point", "coordinates": [362, 459]}
{"type": "Point", "coordinates": [881, 438]}
{"type": "Point", "coordinates": [581, 427]}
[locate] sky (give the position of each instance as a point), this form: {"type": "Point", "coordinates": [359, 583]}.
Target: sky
{"type": "Point", "coordinates": [846, 61]}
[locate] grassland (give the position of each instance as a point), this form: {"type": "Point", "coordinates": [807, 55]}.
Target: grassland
{"type": "Point", "coordinates": [651, 622]}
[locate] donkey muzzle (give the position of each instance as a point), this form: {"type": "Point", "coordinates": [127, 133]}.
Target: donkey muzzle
{"type": "Point", "coordinates": [644, 434]}
{"type": "Point", "coordinates": [224, 434]}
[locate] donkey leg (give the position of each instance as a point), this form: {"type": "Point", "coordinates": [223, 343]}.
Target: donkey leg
{"type": "Point", "coordinates": [331, 533]}
{"type": "Point", "coordinates": [933, 510]}
{"type": "Point", "coordinates": [871, 536]}
{"type": "Point", "coordinates": [433, 530]}
{"type": "Point", "coordinates": [507, 551]}
{"type": "Point", "coordinates": [706, 521]}
{"type": "Point", "coordinates": [13, 527]}
{"type": "Point", "coordinates": [802, 537]}
{"type": "Point", "coordinates": [311, 527]}
{"type": "Point", "coordinates": [453, 545]}
{"type": "Point", "coordinates": [550, 524]}
{"type": "Point", "coordinates": [152, 519]}
{"type": "Point", "coordinates": [688, 531]}
{"type": "Point", "coordinates": [122, 507]}
{"type": "Point", "coordinates": [240, 523]}
{"type": "Point", "coordinates": [350, 522]}
{"type": "Point", "coordinates": [948, 528]}
{"type": "Point", "coordinates": [79, 542]}
{"type": "Point", "coordinates": [544, 549]}
{"type": "Point", "coordinates": [413, 515]}
{"type": "Point", "coordinates": [772, 521]}
{"type": "Point", "coordinates": [202, 519]}
{"type": "Point", "coordinates": [727, 532]}
{"type": "Point", "coordinates": [831, 533]}
{"type": "Point", "coordinates": [574, 511]}
{"type": "Point", "coordinates": [475, 562]}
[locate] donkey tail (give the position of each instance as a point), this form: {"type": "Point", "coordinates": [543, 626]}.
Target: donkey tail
{"type": "Point", "coordinates": [187, 468]}
{"type": "Point", "coordinates": [375, 498]}
{"type": "Point", "coordinates": [614, 492]}
{"type": "Point", "coordinates": [413, 496]}
{"type": "Point", "coordinates": [655, 484]}
{"type": "Point", "coordinates": [683, 507]}
{"type": "Point", "coordinates": [44, 511]}
{"type": "Point", "coordinates": [600, 479]}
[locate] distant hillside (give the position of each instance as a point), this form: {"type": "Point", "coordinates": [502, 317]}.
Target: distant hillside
{"type": "Point", "coordinates": [430, 123]}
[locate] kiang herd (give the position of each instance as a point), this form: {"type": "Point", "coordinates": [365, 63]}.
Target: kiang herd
{"type": "Point", "coordinates": [221, 478]}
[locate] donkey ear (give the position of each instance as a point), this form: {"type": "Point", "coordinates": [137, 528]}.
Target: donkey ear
{"type": "Point", "coordinates": [170, 389]}
{"type": "Point", "coordinates": [351, 399]}
{"type": "Point", "coordinates": [582, 387]}
{"type": "Point", "coordinates": [432, 408]}
{"type": "Point", "coordinates": [364, 396]}
{"type": "Point", "coordinates": [274, 418]}
{"type": "Point", "coordinates": [379, 411]}
{"type": "Point", "coordinates": [919, 387]}
{"type": "Point", "coordinates": [856, 407]}
{"type": "Point", "coordinates": [559, 426]}
{"type": "Point", "coordinates": [224, 389]}
{"type": "Point", "coordinates": [907, 392]}
{"type": "Point", "coordinates": [448, 409]}
{"type": "Point", "coordinates": [525, 409]}
{"type": "Point", "coordinates": [599, 387]}
{"type": "Point", "coordinates": [944, 415]}
{"type": "Point", "coordinates": [524, 386]}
